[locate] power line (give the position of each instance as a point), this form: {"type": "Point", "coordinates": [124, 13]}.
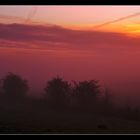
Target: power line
{"type": "Point", "coordinates": [31, 14]}
{"type": "Point", "coordinates": [117, 20]}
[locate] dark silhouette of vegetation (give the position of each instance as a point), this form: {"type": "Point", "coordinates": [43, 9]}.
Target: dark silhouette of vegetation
{"type": "Point", "coordinates": [1, 87]}
{"type": "Point", "coordinates": [64, 103]}
{"type": "Point", "coordinates": [57, 91]}
{"type": "Point", "coordinates": [107, 99]}
{"type": "Point", "coordinates": [86, 93]}
{"type": "Point", "coordinates": [14, 86]}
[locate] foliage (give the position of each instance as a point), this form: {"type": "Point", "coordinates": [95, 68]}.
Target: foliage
{"type": "Point", "coordinates": [14, 86]}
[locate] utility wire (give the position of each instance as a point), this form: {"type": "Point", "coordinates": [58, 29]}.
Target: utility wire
{"type": "Point", "coordinates": [117, 20]}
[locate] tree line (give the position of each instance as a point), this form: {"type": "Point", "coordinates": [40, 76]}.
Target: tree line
{"type": "Point", "coordinates": [60, 94]}
{"type": "Point", "coordinates": [57, 91]}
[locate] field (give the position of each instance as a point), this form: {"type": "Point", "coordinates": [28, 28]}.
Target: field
{"type": "Point", "coordinates": [52, 122]}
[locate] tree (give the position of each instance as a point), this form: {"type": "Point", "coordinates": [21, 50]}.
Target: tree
{"type": "Point", "coordinates": [57, 91]}
{"type": "Point", "coordinates": [86, 92]}
{"type": "Point", "coordinates": [108, 98]}
{"type": "Point", "coordinates": [0, 86]}
{"type": "Point", "coordinates": [107, 105]}
{"type": "Point", "coordinates": [14, 86]}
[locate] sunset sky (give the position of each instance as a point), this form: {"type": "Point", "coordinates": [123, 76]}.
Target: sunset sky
{"type": "Point", "coordinates": [39, 42]}
{"type": "Point", "coordinates": [84, 17]}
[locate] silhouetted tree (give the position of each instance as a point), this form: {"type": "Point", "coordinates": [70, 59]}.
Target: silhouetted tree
{"type": "Point", "coordinates": [57, 91]}
{"type": "Point", "coordinates": [0, 86]}
{"type": "Point", "coordinates": [14, 86]}
{"type": "Point", "coordinates": [106, 105]}
{"type": "Point", "coordinates": [86, 92]}
{"type": "Point", "coordinates": [107, 99]}
{"type": "Point", "coordinates": [1, 93]}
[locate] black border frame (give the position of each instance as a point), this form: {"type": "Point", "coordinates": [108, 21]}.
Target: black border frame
{"type": "Point", "coordinates": [69, 2]}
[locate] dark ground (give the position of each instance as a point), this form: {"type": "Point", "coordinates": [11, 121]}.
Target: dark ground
{"type": "Point", "coordinates": [53, 122]}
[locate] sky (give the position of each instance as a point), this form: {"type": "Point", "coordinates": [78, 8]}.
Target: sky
{"type": "Point", "coordinates": [45, 41]}
{"type": "Point", "coordinates": [75, 16]}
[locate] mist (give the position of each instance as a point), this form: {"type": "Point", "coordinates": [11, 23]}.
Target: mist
{"type": "Point", "coordinates": [114, 71]}
{"type": "Point", "coordinates": [39, 53]}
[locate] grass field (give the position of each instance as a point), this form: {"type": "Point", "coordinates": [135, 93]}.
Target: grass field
{"type": "Point", "coordinates": [52, 122]}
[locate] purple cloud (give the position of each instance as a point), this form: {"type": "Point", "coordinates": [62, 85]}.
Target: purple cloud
{"type": "Point", "coordinates": [56, 36]}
